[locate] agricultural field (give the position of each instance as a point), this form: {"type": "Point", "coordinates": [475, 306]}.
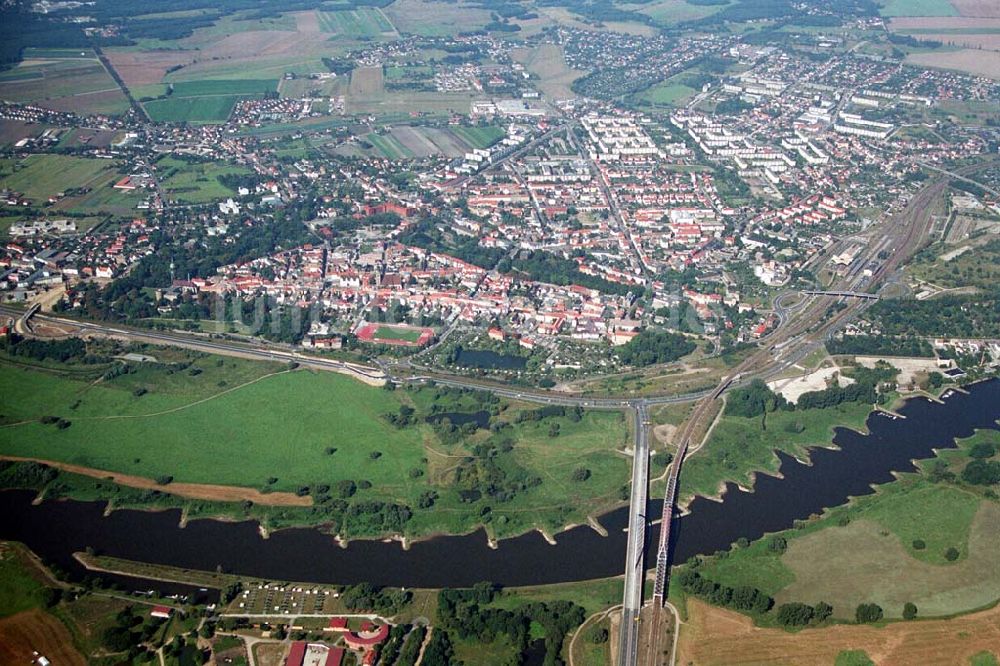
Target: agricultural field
{"type": "Point", "coordinates": [24, 624]}
{"type": "Point", "coordinates": [205, 101]}
{"type": "Point", "coordinates": [672, 12]}
{"type": "Point", "coordinates": [195, 182]}
{"type": "Point", "coordinates": [548, 62]}
{"type": "Point", "coordinates": [236, 47]}
{"type": "Point", "coordinates": [63, 80]}
{"type": "Point", "coordinates": [435, 19]}
{"type": "Point", "coordinates": [364, 22]}
{"type": "Point", "coordinates": [388, 145]}
{"type": "Point", "coordinates": [971, 61]}
{"type": "Point", "coordinates": [918, 8]}
{"type": "Point", "coordinates": [221, 409]}
{"type": "Point", "coordinates": [716, 637]}
{"type": "Point", "coordinates": [214, 109]}
{"type": "Point", "coordinates": [479, 137]}
{"type": "Point", "coordinates": [366, 82]}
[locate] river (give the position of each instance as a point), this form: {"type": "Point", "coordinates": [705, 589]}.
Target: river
{"type": "Point", "coordinates": [56, 529]}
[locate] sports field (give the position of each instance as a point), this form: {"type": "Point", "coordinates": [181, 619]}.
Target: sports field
{"type": "Point", "coordinates": [408, 335]}
{"type": "Point", "coordinates": [668, 94]}
{"type": "Point", "coordinates": [395, 335]}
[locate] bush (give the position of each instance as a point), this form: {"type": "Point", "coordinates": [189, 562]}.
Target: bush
{"type": "Point", "coordinates": [919, 544]}
{"type": "Point", "coordinates": [777, 544]}
{"type": "Point", "coordinates": [164, 479]}
{"type": "Point", "coordinates": [909, 610]}
{"type": "Point", "coordinates": [982, 450]}
{"type": "Point", "coordinates": [662, 458]}
{"type": "Point", "coordinates": [868, 613]}
{"type": "Point", "coordinates": [375, 455]}
{"type": "Point", "coordinates": [346, 488]}
{"type": "Point", "coordinates": [598, 635]}
{"type": "Point", "coordinates": [581, 474]}
{"type": "Point", "coordinates": [794, 614]}
{"type": "Point", "coordinates": [951, 554]}
{"type": "Point", "coordinates": [982, 472]}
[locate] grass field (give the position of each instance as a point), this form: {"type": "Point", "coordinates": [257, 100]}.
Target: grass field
{"type": "Point", "coordinates": [356, 23]}
{"type": "Point", "coordinates": [738, 446]}
{"type": "Point", "coordinates": [853, 658]}
{"type": "Point", "coordinates": [40, 176]}
{"type": "Point", "coordinates": [199, 422]}
{"type": "Point", "coordinates": [879, 558]}
{"type": "Point", "coordinates": [918, 8]}
{"type": "Point", "coordinates": [195, 182]}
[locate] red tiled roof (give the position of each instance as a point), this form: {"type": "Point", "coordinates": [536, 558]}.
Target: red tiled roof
{"type": "Point", "coordinates": [334, 656]}
{"type": "Point", "coordinates": [296, 654]}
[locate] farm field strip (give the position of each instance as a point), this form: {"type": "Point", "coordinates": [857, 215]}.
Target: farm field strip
{"type": "Point", "coordinates": [356, 23]}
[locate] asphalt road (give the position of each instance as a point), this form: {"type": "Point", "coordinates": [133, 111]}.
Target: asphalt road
{"type": "Point", "coordinates": [635, 570]}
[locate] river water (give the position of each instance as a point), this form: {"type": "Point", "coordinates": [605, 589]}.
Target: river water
{"type": "Point", "coordinates": [56, 529]}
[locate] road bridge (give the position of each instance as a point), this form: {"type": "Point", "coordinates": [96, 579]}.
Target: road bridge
{"type": "Point", "coordinates": [635, 570]}
{"type": "Point", "coordinates": [843, 294]}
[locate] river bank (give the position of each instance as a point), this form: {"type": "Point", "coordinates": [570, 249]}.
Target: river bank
{"type": "Point", "coordinates": [829, 479]}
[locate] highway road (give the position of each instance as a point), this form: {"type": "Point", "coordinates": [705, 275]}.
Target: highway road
{"type": "Point", "coordinates": [635, 569]}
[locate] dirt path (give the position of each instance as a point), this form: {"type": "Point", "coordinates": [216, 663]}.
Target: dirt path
{"type": "Point", "coordinates": [201, 491]}
{"type": "Point", "coordinates": [180, 408]}
{"type": "Point", "coordinates": [717, 636]}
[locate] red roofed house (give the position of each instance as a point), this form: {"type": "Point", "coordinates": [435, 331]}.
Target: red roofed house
{"type": "Point", "coordinates": [338, 624]}
{"type": "Point", "coordinates": [369, 636]}
{"type": "Point", "coordinates": [161, 611]}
